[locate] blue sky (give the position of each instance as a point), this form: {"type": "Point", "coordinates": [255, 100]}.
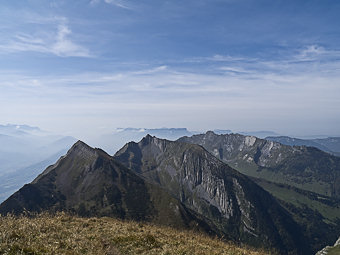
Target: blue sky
{"type": "Point", "coordinates": [203, 64]}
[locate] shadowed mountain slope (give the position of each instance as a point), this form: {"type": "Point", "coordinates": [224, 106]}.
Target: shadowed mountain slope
{"type": "Point", "coordinates": [89, 182]}
{"type": "Point", "coordinates": [240, 209]}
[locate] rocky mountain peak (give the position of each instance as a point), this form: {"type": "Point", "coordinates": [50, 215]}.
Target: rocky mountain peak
{"type": "Point", "coordinates": [80, 147]}
{"type": "Point", "coordinates": [147, 139]}
{"type": "Point", "coordinates": [210, 133]}
{"type": "Point", "coordinates": [153, 142]}
{"type": "Point", "coordinates": [82, 150]}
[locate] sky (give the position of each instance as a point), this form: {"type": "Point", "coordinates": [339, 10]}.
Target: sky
{"type": "Point", "coordinates": [83, 67]}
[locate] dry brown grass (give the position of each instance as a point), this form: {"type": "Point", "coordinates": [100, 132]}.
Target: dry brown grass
{"type": "Point", "coordinates": [64, 234]}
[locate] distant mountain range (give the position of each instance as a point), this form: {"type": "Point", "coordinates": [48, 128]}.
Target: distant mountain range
{"type": "Point", "coordinates": [259, 134]}
{"type": "Point", "coordinates": [329, 144]}
{"type": "Point", "coordinates": [113, 141]}
{"type": "Point", "coordinates": [24, 152]}
{"type": "Point", "coordinates": [14, 129]}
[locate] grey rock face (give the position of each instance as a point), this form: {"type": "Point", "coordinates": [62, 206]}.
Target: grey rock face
{"type": "Point", "coordinates": [306, 180]}
{"type": "Point", "coordinates": [239, 208]}
{"type": "Point", "coordinates": [303, 167]}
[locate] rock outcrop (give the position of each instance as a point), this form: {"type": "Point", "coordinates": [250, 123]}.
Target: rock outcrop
{"type": "Point", "coordinates": [307, 168]}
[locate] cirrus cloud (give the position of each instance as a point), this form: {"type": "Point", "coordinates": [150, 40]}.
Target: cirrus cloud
{"type": "Point", "coordinates": [57, 42]}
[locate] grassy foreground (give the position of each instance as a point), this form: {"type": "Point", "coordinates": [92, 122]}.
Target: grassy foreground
{"type": "Point", "coordinates": [64, 234]}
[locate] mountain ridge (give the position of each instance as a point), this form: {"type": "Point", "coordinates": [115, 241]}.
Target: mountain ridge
{"type": "Point", "coordinates": [270, 160]}
{"type": "Point", "coordinates": [89, 182]}
{"type": "Point", "coordinates": [329, 144]}
{"type": "Point", "coordinates": [303, 179]}
{"type": "Point", "coordinates": [201, 189]}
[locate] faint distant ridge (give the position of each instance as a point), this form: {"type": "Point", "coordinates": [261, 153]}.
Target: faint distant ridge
{"type": "Point", "coordinates": [259, 134]}
{"type": "Point", "coordinates": [222, 131]}
{"type": "Point", "coordinates": [329, 144]}
{"type": "Point", "coordinates": [168, 132]}
{"type": "Point", "coordinates": [15, 129]}
{"type": "Point", "coordinates": [18, 126]}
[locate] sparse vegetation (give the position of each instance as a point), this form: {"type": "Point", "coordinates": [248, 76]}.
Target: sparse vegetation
{"type": "Point", "coordinates": [65, 234]}
{"type": "Point", "coordinates": [334, 250]}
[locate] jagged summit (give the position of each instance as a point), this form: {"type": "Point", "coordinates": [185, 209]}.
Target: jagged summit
{"type": "Point", "coordinates": [80, 146]}
{"type": "Point", "coordinates": [152, 143]}
{"type": "Point", "coordinates": [147, 139]}
{"type": "Point", "coordinates": [210, 132]}
{"type": "Point", "coordinates": [82, 149]}
{"type": "Point", "coordinates": [151, 139]}
{"type": "Point", "coordinates": [79, 143]}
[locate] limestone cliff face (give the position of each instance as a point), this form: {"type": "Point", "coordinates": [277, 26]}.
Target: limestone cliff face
{"type": "Point", "coordinates": [239, 208]}
{"type": "Point", "coordinates": [251, 149]}
{"type": "Point", "coordinates": [303, 167]}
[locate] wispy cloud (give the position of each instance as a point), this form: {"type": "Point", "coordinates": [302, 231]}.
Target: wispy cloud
{"type": "Point", "coordinates": [313, 50]}
{"type": "Point", "coordinates": [310, 60]}
{"type": "Point", "coordinates": [171, 95]}
{"type": "Point", "coordinates": [93, 2]}
{"type": "Point", "coordinates": [118, 3]}
{"type": "Point", "coordinates": [317, 53]}
{"type": "Point", "coordinates": [57, 42]}
{"type": "Point", "coordinates": [239, 90]}
{"type": "Point", "coordinates": [221, 58]}
{"type": "Point", "coordinates": [63, 46]}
